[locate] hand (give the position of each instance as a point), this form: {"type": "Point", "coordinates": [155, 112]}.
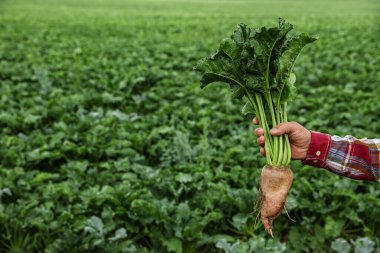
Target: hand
{"type": "Point", "coordinates": [299, 137]}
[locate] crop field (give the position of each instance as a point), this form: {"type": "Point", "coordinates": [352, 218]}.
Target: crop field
{"type": "Point", "coordinates": [108, 144]}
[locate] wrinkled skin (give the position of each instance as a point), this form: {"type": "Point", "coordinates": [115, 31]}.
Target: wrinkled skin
{"type": "Point", "coordinates": [274, 185]}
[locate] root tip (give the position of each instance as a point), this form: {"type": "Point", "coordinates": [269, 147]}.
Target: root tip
{"type": "Point", "coordinates": [271, 232]}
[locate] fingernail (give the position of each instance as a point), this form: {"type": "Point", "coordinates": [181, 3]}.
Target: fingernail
{"type": "Point", "coordinates": [273, 131]}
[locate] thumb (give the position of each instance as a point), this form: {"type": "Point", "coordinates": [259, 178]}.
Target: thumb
{"type": "Point", "coordinates": [283, 128]}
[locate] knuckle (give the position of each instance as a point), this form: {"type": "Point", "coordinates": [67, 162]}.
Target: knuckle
{"type": "Point", "coordinates": [258, 132]}
{"type": "Point", "coordinates": [294, 123]}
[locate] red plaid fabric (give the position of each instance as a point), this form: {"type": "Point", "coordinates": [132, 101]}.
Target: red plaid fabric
{"type": "Point", "coordinates": [346, 156]}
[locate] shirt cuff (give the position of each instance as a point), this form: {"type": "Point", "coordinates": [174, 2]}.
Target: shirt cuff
{"type": "Point", "coordinates": [318, 150]}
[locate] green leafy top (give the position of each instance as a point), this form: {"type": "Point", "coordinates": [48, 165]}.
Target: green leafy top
{"type": "Point", "coordinates": [256, 60]}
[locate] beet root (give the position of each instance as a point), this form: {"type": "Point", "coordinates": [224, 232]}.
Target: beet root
{"type": "Point", "coordinates": [275, 183]}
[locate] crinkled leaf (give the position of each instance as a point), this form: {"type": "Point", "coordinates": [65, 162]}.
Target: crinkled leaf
{"type": "Point", "coordinates": [237, 91]}
{"type": "Point", "coordinates": [183, 178]}
{"type": "Point", "coordinates": [333, 227]}
{"type": "Point", "coordinates": [340, 245]}
{"type": "Point", "coordinates": [248, 109]}
{"type": "Point", "coordinates": [364, 245]}
{"type": "Point", "coordinates": [267, 43]}
{"type": "Point", "coordinates": [241, 34]}
{"type": "Point", "coordinates": [219, 68]}
{"type": "Point", "coordinates": [6, 191]}
{"type": "Point", "coordinates": [284, 78]}
{"type": "Point", "coordinates": [173, 245]}
{"type": "Point", "coordinates": [231, 49]}
{"type": "Point", "coordinates": [239, 220]}
{"type": "Point", "coordinates": [95, 226]}
{"type": "Point", "coordinates": [119, 234]}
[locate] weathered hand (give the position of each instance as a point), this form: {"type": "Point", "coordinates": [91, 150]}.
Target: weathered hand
{"type": "Point", "coordinates": [299, 137]}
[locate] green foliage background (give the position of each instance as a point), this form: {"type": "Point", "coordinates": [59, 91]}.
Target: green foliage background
{"type": "Point", "coordinates": [107, 143]}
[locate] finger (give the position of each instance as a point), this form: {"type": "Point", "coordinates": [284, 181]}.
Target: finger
{"type": "Point", "coordinates": [262, 151]}
{"type": "Point", "coordinates": [255, 121]}
{"type": "Point", "coordinates": [261, 140]}
{"type": "Point", "coordinates": [259, 132]}
{"type": "Point", "coordinates": [284, 128]}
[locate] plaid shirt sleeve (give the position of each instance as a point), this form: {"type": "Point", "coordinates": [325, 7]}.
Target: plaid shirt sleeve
{"type": "Point", "coordinates": [346, 156]}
